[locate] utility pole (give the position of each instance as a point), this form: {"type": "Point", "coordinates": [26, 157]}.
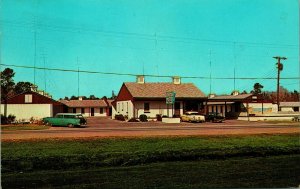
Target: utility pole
{"type": "Point", "coordinates": [279, 68]}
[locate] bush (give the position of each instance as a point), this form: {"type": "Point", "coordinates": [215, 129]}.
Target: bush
{"type": "Point", "coordinates": [133, 120]}
{"type": "Point", "coordinates": [143, 118]}
{"type": "Point", "coordinates": [164, 116]}
{"type": "Point", "coordinates": [7, 120]}
{"type": "Point", "coordinates": [11, 118]}
{"type": "Point", "coordinates": [119, 117]}
{"type": "Point", "coordinates": [3, 119]}
{"type": "Point", "coordinates": [158, 117]}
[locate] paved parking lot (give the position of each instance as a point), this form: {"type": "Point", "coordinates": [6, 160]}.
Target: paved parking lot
{"type": "Point", "coordinates": [105, 127]}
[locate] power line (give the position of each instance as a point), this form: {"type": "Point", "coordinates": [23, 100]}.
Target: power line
{"type": "Point", "coordinates": [153, 37]}
{"type": "Point", "coordinates": [148, 75]}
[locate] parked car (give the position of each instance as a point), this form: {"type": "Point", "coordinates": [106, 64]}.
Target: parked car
{"type": "Point", "coordinates": [65, 119]}
{"type": "Point", "coordinates": [214, 117]}
{"type": "Point", "coordinates": [192, 116]}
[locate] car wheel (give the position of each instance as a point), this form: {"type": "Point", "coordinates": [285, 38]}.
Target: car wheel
{"type": "Point", "coordinates": [70, 125]}
{"type": "Point", "coordinates": [48, 124]}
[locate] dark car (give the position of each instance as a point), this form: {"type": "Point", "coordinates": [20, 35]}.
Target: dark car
{"type": "Point", "coordinates": [214, 117]}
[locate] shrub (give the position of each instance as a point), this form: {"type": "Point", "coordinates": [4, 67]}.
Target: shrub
{"type": "Point", "coordinates": [11, 118]}
{"type": "Point", "coordinates": [7, 120]}
{"type": "Point", "coordinates": [133, 120]}
{"type": "Point", "coordinates": [164, 116]}
{"type": "Point", "coordinates": [143, 118]}
{"type": "Point", "coordinates": [158, 117]}
{"type": "Point", "coordinates": [119, 117]}
{"type": "Point", "coordinates": [3, 119]}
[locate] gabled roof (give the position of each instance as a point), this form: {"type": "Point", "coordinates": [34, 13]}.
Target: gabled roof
{"type": "Point", "coordinates": [84, 103]}
{"type": "Point", "coordinates": [230, 97]}
{"type": "Point", "coordinates": [37, 99]}
{"type": "Point", "coordinates": [289, 104]}
{"type": "Point", "coordinates": [159, 90]}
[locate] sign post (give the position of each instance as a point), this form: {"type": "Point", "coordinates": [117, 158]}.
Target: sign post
{"type": "Point", "coordinates": [170, 99]}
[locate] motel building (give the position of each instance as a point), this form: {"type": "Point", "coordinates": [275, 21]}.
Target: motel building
{"type": "Point", "coordinates": [88, 108]}
{"type": "Point", "coordinates": [140, 97]}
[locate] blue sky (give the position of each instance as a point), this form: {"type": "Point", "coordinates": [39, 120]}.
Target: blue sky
{"type": "Point", "coordinates": [160, 37]}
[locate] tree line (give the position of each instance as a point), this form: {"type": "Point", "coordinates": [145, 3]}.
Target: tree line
{"type": "Point", "coordinates": [9, 88]}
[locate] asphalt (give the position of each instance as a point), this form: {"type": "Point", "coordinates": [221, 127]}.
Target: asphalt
{"type": "Point", "coordinates": [105, 127]}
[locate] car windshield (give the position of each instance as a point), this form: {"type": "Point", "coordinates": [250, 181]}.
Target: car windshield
{"type": "Point", "coordinates": [192, 113]}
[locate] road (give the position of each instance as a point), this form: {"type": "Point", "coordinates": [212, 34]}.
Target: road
{"type": "Point", "coordinates": [105, 127]}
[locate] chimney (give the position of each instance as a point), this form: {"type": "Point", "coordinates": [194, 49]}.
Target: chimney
{"type": "Point", "coordinates": [33, 88]}
{"type": "Point", "coordinates": [140, 79]}
{"type": "Point", "coordinates": [176, 80]}
{"type": "Point", "coordinates": [212, 95]}
{"type": "Point", "coordinates": [41, 92]}
{"type": "Point", "coordinates": [235, 93]}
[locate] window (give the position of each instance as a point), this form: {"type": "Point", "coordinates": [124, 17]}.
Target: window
{"type": "Point", "coordinates": [28, 98]}
{"type": "Point", "coordinates": [146, 107]}
{"type": "Point", "coordinates": [101, 110]}
{"type": "Point", "coordinates": [82, 110]}
{"type": "Point", "coordinates": [74, 110]}
{"type": "Point", "coordinates": [296, 109]}
{"type": "Point", "coordinates": [59, 116]}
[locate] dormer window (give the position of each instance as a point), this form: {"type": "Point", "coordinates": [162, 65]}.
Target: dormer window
{"type": "Point", "coordinates": [28, 98]}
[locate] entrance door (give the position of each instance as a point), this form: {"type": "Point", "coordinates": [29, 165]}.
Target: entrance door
{"type": "Point", "coordinates": [92, 111]}
{"type": "Point", "coordinates": [177, 109]}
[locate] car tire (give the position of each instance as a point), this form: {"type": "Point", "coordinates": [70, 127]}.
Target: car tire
{"type": "Point", "coordinates": [48, 124]}
{"type": "Point", "coordinates": [70, 125]}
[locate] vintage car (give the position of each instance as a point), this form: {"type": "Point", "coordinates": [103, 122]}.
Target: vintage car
{"type": "Point", "coordinates": [192, 116]}
{"type": "Point", "coordinates": [214, 117]}
{"type": "Point", "coordinates": [65, 119]}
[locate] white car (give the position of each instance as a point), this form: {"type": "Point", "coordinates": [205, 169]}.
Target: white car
{"type": "Point", "coordinates": [192, 116]}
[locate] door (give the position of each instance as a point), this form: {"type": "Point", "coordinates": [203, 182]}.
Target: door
{"type": "Point", "coordinates": [177, 109]}
{"type": "Point", "coordinates": [92, 111]}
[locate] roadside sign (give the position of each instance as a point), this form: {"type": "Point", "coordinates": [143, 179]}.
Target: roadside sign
{"type": "Point", "coordinates": [170, 97]}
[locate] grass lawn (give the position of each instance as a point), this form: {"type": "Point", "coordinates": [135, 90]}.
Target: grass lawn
{"type": "Point", "coordinates": [176, 162]}
{"type": "Point", "coordinates": [24, 127]}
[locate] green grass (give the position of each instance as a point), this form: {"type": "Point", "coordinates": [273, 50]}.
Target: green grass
{"type": "Point", "coordinates": [174, 162]}
{"type": "Point", "coordinates": [62, 154]}
{"type": "Point", "coordinates": [24, 127]}
{"type": "Point", "coordinates": [258, 172]}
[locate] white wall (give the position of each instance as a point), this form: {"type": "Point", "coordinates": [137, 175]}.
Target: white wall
{"type": "Point", "coordinates": [87, 111]}
{"type": "Point", "coordinates": [212, 108]}
{"type": "Point", "coordinates": [156, 107]}
{"type": "Point", "coordinates": [256, 108]}
{"type": "Point", "coordinates": [125, 108]}
{"type": "Point", "coordinates": [26, 111]}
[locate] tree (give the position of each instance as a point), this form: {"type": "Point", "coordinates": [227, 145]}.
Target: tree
{"type": "Point", "coordinates": [7, 83]}
{"type": "Point", "coordinates": [257, 88]}
{"type": "Point", "coordinates": [73, 97]}
{"type": "Point", "coordinates": [7, 86]}
{"type": "Point", "coordinates": [92, 97]}
{"type": "Point", "coordinates": [22, 87]}
{"type": "Point", "coordinates": [244, 92]}
{"type": "Point", "coordinates": [66, 98]}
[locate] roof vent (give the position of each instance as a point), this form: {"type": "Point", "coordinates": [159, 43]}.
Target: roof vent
{"type": "Point", "coordinates": [176, 80]}
{"type": "Point", "coordinates": [33, 88]}
{"type": "Point", "coordinates": [140, 79]}
{"type": "Point", "coordinates": [212, 95]}
{"type": "Point", "coordinates": [41, 92]}
{"type": "Point", "coordinates": [235, 93]}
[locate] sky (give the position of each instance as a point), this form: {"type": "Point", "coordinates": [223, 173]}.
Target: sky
{"type": "Point", "coordinates": [187, 38]}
